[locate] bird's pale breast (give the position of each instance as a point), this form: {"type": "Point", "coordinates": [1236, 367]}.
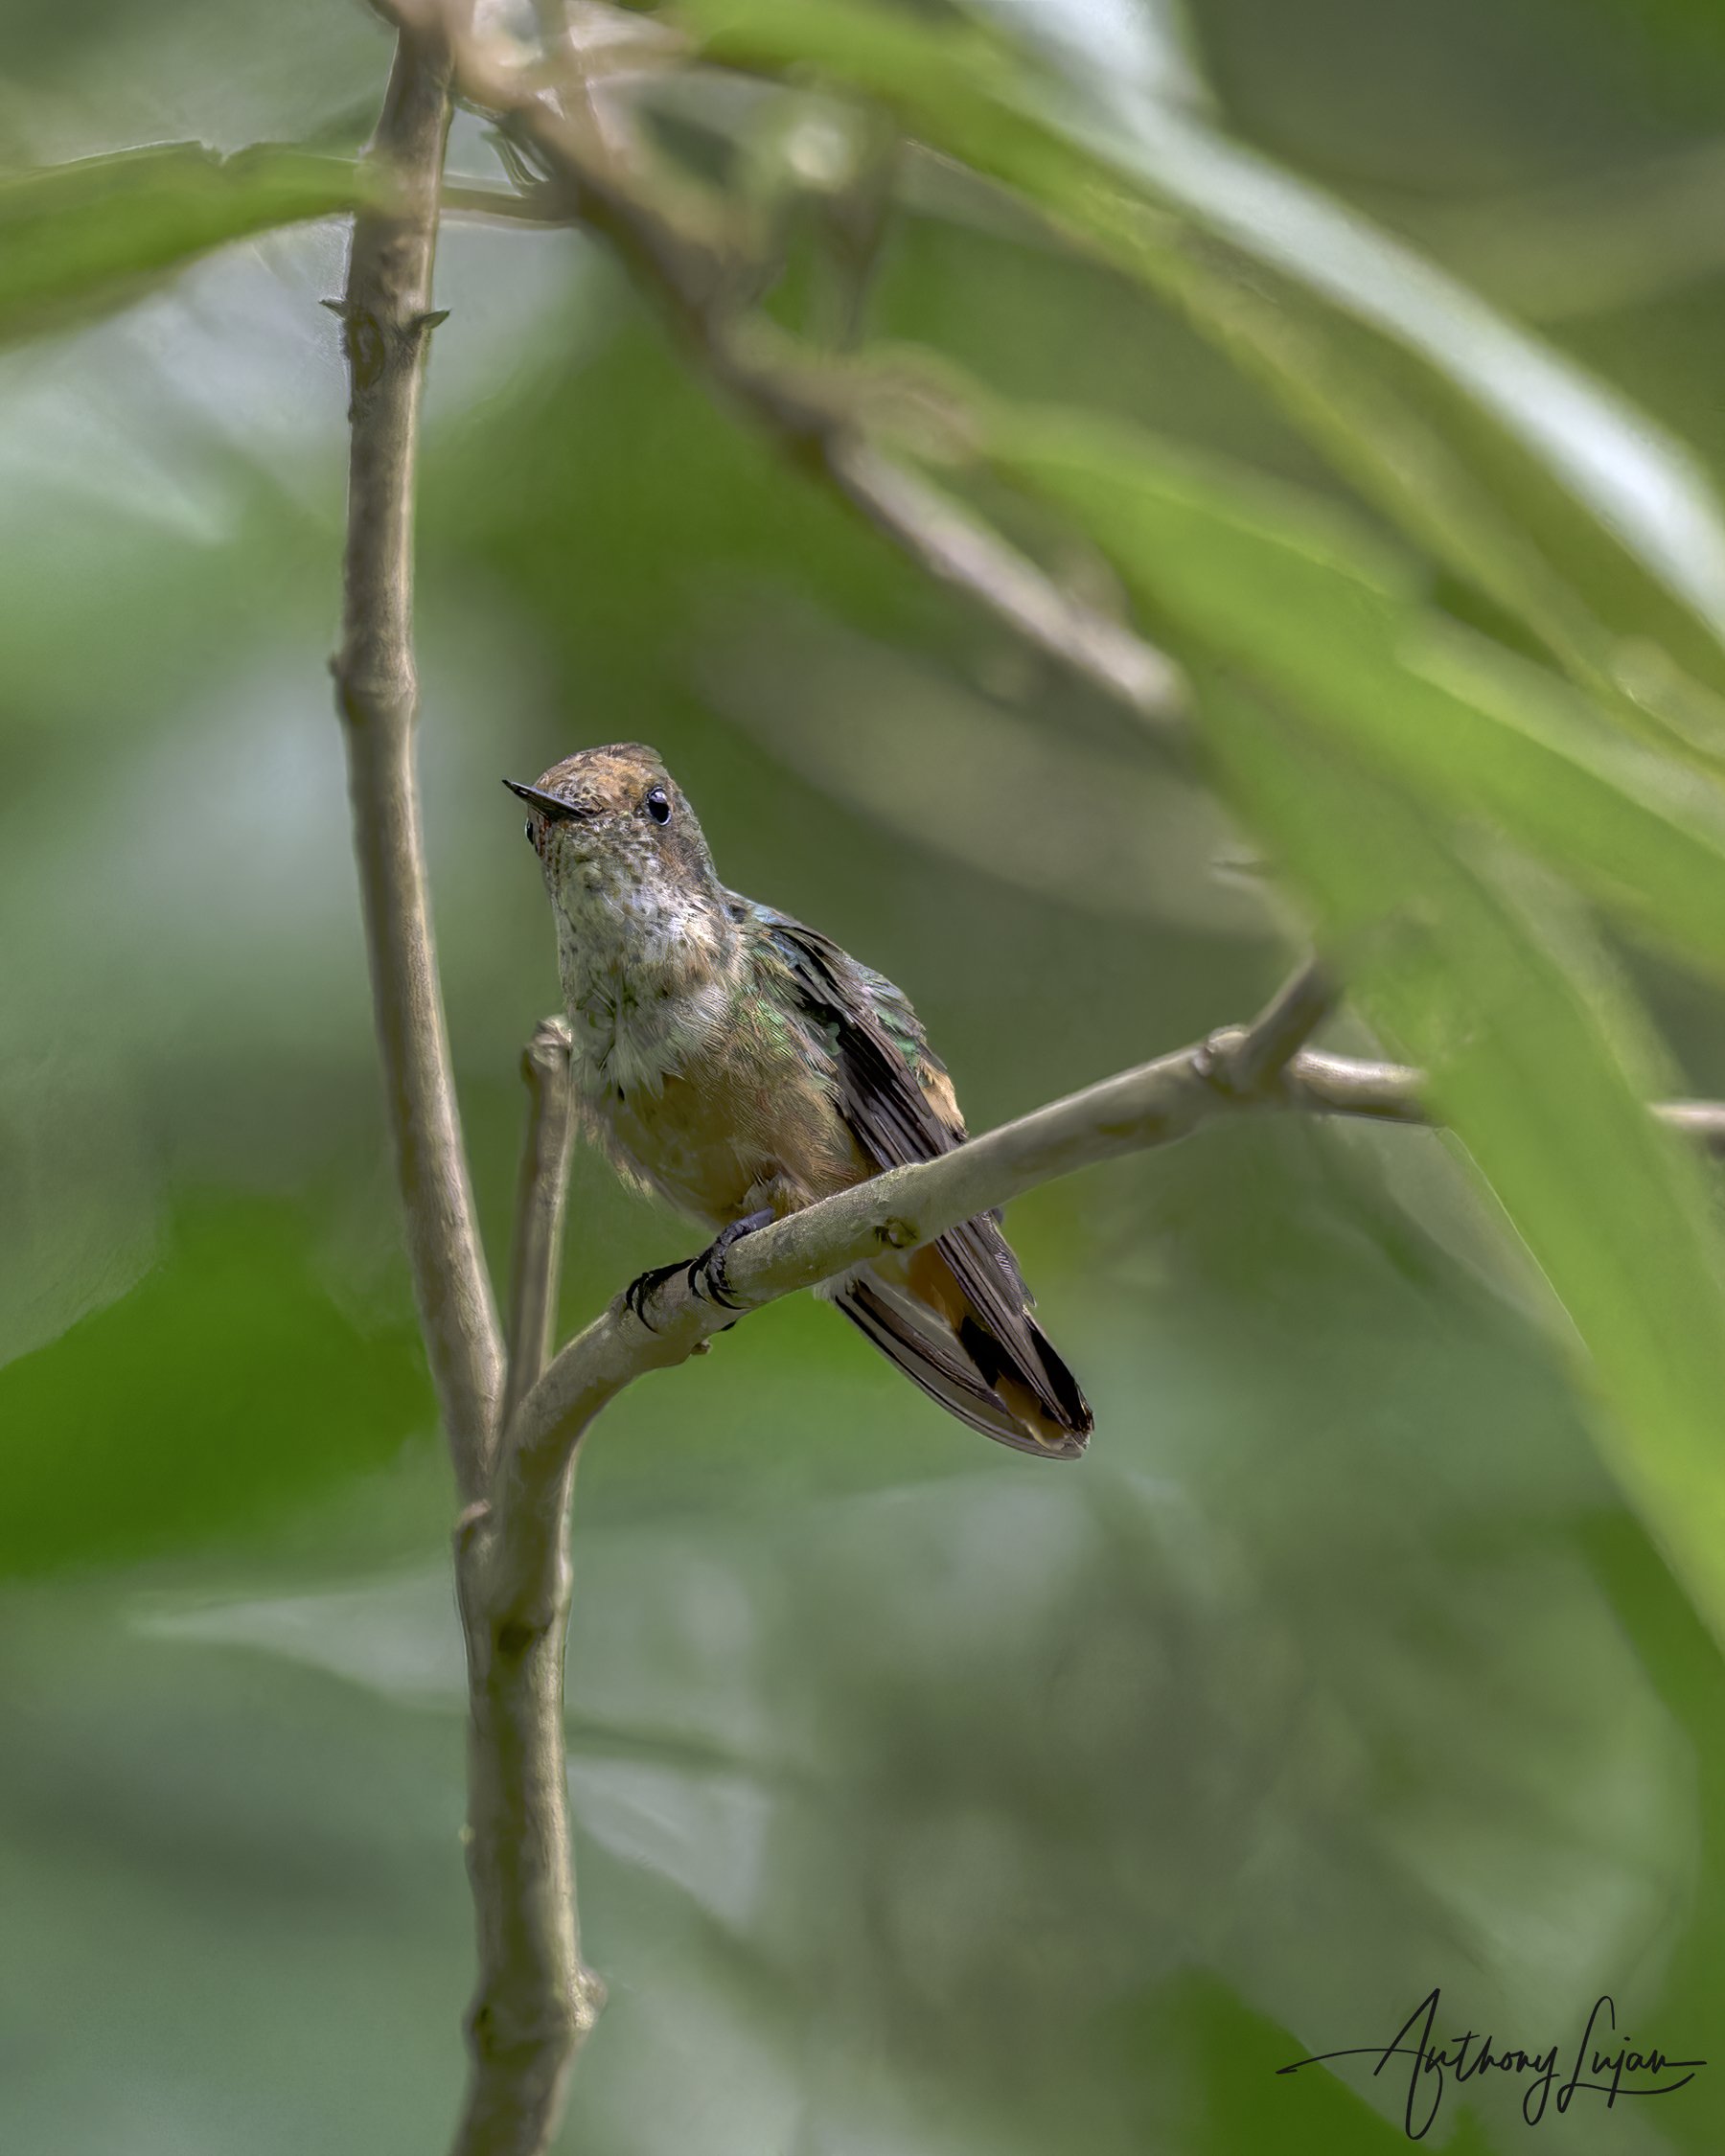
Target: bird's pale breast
{"type": "Point", "coordinates": [749, 1122]}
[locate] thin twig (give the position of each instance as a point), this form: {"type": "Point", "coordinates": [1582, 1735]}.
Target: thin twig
{"type": "Point", "coordinates": [897, 1210]}
{"type": "Point", "coordinates": [691, 258]}
{"type": "Point", "coordinates": [1255, 1057]}
{"type": "Point", "coordinates": [961, 551]}
{"type": "Point", "coordinates": [479, 199]}
{"type": "Point", "coordinates": [1376, 1093]}
{"type": "Point", "coordinates": [541, 1192]}
{"type": "Point", "coordinates": [536, 2000]}
{"type": "Point", "coordinates": [386, 315]}
{"type": "Point", "coordinates": [1703, 1120]}
{"type": "Point", "coordinates": [1137, 1111]}
{"type": "Point", "coordinates": [1391, 1092]}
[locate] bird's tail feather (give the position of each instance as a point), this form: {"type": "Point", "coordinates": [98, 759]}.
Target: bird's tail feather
{"type": "Point", "coordinates": [966, 1370]}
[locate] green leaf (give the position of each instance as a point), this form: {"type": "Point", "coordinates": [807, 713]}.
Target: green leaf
{"type": "Point", "coordinates": [229, 1383]}
{"type": "Point", "coordinates": [1545, 490]}
{"type": "Point", "coordinates": [92, 235]}
{"type": "Point", "coordinates": [1239, 574]}
{"type": "Point", "coordinates": [1538, 1067]}
{"type": "Point", "coordinates": [1364, 741]}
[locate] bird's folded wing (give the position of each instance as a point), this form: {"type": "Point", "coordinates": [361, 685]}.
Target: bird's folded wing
{"type": "Point", "coordinates": [883, 1057]}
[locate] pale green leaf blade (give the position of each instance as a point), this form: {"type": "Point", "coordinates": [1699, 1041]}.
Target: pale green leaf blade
{"type": "Point", "coordinates": [1481, 441]}
{"type": "Point", "coordinates": [75, 238]}
{"type": "Point", "coordinates": [1535, 1065]}
{"type": "Point", "coordinates": [1259, 579]}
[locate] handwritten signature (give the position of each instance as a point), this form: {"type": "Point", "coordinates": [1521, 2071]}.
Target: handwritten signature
{"type": "Point", "coordinates": [1474, 2057]}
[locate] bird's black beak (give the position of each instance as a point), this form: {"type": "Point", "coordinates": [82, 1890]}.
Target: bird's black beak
{"type": "Point", "coordinates": [549, 804]}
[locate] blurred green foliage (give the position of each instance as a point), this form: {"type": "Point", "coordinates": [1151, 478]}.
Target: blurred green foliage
{"type": "Point", "coordinates": [226, 1385]}
{"type": "Point", "coordinates": [924, 1802]}
{"type": "Point", "coordinates": [80, 236]}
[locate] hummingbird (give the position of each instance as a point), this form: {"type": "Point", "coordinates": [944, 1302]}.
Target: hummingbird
{"type": "Point", "coordinates": [742, 1066]}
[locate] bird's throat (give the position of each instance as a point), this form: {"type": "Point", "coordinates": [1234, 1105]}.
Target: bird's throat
{"type": "Point", "coordinates": [649, 979]}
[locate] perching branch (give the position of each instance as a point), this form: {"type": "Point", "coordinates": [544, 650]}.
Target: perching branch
{"type": "Point", "coordinates": [1248, 1061]}
{"type": "Point", "coordinates": [1134, 1112]}
{"type": "Point", "coordinates": [1390, 1093]}
{"type": "Point", "coordinates": [1234, 1071]}
{"type": "Point", "coordinates": [386, 316]}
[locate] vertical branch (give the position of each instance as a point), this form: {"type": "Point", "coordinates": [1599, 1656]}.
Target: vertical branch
{"type": "Point", "coordinates": [536, 2000]}
{"type": "Point", "coordinates": [387, 317]}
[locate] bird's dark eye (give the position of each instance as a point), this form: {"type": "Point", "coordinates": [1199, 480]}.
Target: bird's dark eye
{"type": "Point", "coordinates": [659, 805]}
{"type": "Point", "coordinates": [527, 832]}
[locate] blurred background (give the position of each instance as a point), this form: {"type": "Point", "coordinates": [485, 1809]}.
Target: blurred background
{"type": "Point", "coordinates": [927, 1802]}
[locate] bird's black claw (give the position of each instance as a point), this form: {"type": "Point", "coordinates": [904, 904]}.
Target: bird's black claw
{"type": "Point", "coordinates": [645, 1285]}
{"type": "Point", "coordinates": [706, 1273]}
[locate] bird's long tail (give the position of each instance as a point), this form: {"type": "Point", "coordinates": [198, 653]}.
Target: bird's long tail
{"type": "Point", "coordinates": [1016, 1391]}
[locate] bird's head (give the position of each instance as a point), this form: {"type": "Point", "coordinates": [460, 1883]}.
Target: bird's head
{"type": "Point", "coordinates": [611, 829]}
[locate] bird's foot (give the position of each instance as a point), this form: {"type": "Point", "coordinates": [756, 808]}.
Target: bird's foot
{"type": "Point", "coordinates": [645, 1285]}
{"type": "Point", "coordinates": [706, 1273]}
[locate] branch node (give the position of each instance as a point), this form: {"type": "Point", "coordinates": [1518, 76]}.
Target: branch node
{"type": "Point", "coordinates": [516, 1636]}
{"type": "Point", "coordinates": [549, 2041]}
{"type": "Point", "coordinates": [548, 1051]}
{"type": "Point", "coordinates": [1214, 1056]}
{"type": "Point", "coordinates": [1247, 1062]}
